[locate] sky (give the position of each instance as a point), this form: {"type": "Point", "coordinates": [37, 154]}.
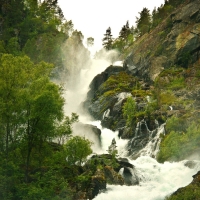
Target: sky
{"type": "Point", "coordinates": [93, 17]}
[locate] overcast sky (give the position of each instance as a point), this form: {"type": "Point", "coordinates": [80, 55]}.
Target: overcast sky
{"type": "Point", "coordinates": [93, 17]}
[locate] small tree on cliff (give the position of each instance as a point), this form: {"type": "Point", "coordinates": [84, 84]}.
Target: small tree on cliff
{"type": "Point", "coordinates": [125, 31]}
{"type": "Point", "coordinates": [108, 40]}
{"type": "Point", "coordinates": [143, 23]}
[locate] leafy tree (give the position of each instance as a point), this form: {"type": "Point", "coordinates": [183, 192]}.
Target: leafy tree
{"type": "Point", "coordinates": [2, 47]}
{"type": "Point", "coordinates": [108, 40]}
{"type": "Point", "coordinates": [64, 129]}
{"type": "Point", "coordinates": [143, 23]}
{"type": "Point", "coordinates": [30, 106]}
{"type": "Point", "coordinates": [181, 141]}
{"type": "Point", "coordinates": [13, 46]}
{"type": "Point", "coordinates": [77, 149]}
{"type": "Point", "coordinates": [67, 27]}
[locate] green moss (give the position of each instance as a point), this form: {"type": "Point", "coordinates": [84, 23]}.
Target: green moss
{"type": "Point", "coordinates": [171, 79]}
{"type": "Point", "coordinates": [122, 82]}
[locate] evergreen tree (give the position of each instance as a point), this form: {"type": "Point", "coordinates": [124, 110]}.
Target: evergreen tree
{"type": "Point", "coordinates": [125, 31]}
{"type": "Point", "coordinates": [108, 40]}
{"type": "Point", "coordinates": [143, 23]}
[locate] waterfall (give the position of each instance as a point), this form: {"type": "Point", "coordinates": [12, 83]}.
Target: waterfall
{"type": "Point", "coordinates": [152, 148]}
{"type": "Point", "coordinates": [155, 180]}
{"type": "Point", "coordinates": [106, 114]}
{"type": "Point", "coordinates": [171, 108]}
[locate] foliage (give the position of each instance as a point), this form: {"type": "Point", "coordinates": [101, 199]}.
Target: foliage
{"type": "Point", "coordinates": [144, 21]}
{"type": "Point", "coordinates": [31, 116]}
{"type": "Point", "coordinates": [107, 40]}
{"type": "Point", "coordinates": [64, 128]}
{"type": "Point", "coordinates": [171, 79]}
{"type": "Point", "coordinates": [77, 149]}
{"type": "Point", "coordinates": [129, 111]}
{"type": "Point", "coordinates": [121, 82]}
{"type": "Point", "coordinates": [179, 143]}
{"type": "Point", "coordinates": [189, 192]}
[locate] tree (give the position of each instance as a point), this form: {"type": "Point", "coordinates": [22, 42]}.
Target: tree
{"type": "Point", "coordinates": [77, 149]}
{"type": "Point", "coordinates": [129, 111]}
{"type": "Point", "coordinates": [64, 129]}
{"type": "Point", "coordinates": [143, 23]}
{"type": "Point", "coordinates": [108, 40]}
{"type": "Point", "coordinates": [125, 31]}
{"type": "Point", "coordinates": [30, 105]}
{"type": "Point", "coordinates": [90, 41]}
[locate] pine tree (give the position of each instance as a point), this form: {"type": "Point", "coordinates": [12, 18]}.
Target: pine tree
{"type": "Point", "coordinates": [108, 40]}
{"type": "Point", "coordinates": [143, 23]}
{"type": "Point", "coordinates": [125, 31]}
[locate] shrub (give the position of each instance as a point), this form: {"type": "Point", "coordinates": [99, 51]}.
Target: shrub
{"type": "Point", "coordinates": [178, 145]}
{"type": "Point", "coordinates": [77, 149]}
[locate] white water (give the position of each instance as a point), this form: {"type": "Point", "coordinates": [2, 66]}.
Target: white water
{"type": "Point", "coordinates": [156, 180]}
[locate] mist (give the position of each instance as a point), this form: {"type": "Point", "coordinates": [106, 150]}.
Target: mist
{"type": "Point", "coordinates": [81, 68]}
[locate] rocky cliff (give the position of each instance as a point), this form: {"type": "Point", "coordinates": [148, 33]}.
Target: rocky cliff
{"type": "Point", "coordinates": [175, 41]}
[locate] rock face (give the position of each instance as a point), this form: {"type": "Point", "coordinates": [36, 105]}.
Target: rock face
{"type": "Point", "coordinates": [90, 132]}
{"type": "Point", "coordinates": [175, 41]}
{"type": "Point", "coordinates": [101, 78]}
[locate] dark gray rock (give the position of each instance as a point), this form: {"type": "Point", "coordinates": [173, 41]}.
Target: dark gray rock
{"type": "Point", "coordinates": [88, 131]}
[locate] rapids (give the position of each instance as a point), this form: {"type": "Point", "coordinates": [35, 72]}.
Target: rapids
{"type": "Point", "coordinates": [156, 180]}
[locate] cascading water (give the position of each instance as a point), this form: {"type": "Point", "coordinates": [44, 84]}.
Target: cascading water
{"type": "Point", "coordinates": [155, 180]}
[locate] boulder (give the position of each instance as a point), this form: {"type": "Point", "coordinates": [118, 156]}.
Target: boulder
{"type": "Point", "coordinates": [88, 131]}
{"type": "Point", "coordinates": [113, 177]}
{"type": "Point", "coordinates": [98, 183]}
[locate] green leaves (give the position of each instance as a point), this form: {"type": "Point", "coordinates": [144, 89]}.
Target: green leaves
{"type": "Point", "coordinates": [129, 111]}
{"type": "Point", "coordinates": [77, 149]}
{"type": "Point", "coordinates": [180, 142]}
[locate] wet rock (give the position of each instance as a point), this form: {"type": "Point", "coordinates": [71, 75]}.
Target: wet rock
{"type": "Point", "coordinates": [129, 176]}
{"type": "Point", "coordinates": [88, 131]}
{"type": "Point", "coordinates": [98, 183]}
{"type": "Point", "coordinates": [113, 177]}
{"type": "Point", "coordinates": [101, 78]}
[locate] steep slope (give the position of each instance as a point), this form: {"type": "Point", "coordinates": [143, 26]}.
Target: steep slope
{"type": "Point", "coordinates": [175, 41]}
